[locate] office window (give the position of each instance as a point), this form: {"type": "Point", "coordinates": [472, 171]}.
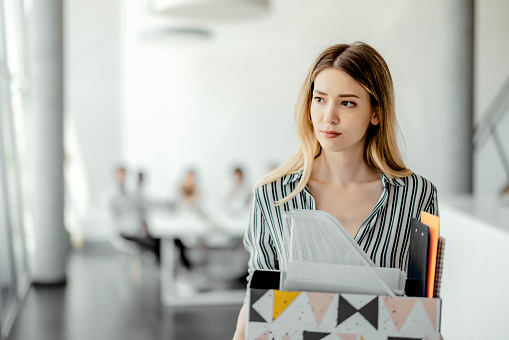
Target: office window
{"type": "Point", "coordinates": [13, 161]}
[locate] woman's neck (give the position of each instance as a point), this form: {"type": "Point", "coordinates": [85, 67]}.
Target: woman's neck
{"type": "Point", "coordinates": [342, 168]}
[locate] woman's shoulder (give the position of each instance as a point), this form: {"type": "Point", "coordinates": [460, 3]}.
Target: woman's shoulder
{"type": "Point", "coordinates": [277, 189]}
{"type": "Point", "coordinates": [413, 182]}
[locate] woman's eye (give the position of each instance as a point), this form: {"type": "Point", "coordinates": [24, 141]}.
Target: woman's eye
{"type": "Point", "coordinates": [319, 99]}
{"type": "Point", "coordinates": [347, 103]}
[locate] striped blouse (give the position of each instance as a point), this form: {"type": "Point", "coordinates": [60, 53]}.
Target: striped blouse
{"type": "Point", "coordinates": [384, 235]}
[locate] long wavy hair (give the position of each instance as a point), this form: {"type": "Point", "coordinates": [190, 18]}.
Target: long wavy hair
{"type": "Point", "coordinates": [381, 152]}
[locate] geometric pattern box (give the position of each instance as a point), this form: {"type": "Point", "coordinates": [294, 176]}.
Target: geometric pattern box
{"type": "Point", "coordinates": [278, 315]}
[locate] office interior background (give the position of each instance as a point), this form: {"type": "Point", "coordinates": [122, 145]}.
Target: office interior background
{"type": "Point", "coordinates": [163, 91]}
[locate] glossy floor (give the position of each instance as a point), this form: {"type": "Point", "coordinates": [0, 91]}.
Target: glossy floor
{"type": "Point", "coordinates": [104, 300]}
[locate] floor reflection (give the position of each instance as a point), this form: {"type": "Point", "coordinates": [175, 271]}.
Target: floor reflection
{"type": "Point", "coordinates": [103, 300]}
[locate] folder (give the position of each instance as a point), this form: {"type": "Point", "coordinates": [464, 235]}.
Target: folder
{"type": "Point", "coordinates": [418, 259]}
{"type": "Point", "coordinates": [433, 222]}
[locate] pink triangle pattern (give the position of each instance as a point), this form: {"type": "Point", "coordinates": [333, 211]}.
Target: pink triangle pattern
{"type": "Point", "coordinates": [347, 336]}
{"type": "Point", "coordinates": [399, 309]}
{"type": "Point", "coordinates": [264, 336]}
{"type": "Point", "coordinates": [430, 306]}
{"type": "Point", "coordinates": [426, 338]}
{"type": "Point", "coordinates": [286, 337]}
{"type": "Point", "coordinates": [320, 302]}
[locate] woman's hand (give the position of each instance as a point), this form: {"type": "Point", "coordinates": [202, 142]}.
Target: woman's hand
{"type": "Point", "coordinates": [240, 332]}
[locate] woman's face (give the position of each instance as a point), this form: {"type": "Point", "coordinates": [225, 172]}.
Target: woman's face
{"type": "Point", "coordinates": [341, 111]}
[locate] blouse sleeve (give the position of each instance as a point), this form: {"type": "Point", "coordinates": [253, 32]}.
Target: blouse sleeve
{"type": "Point", "coordinates": [258, 241]}
{"type": "Point", "coordinates": [432, 204]}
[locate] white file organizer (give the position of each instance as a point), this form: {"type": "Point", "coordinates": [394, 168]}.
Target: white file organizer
{"type": "Point", "coordinates": [319, 255]}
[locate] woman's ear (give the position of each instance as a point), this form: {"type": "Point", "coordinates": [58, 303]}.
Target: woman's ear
{"type": "Point", "coordinates": [374, 117]}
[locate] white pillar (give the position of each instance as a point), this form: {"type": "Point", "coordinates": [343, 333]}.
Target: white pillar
{"type": "Point", "coordinates": [47, 109]}
{"type": "Point", "coordinates": [456, 122]}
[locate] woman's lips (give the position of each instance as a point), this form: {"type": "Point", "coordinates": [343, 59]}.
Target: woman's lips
{"type": "Point", "coordinates": [329, 134]}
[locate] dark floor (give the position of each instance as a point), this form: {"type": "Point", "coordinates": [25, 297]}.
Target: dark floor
{"type": "Point", "coordinates": [102, 301]}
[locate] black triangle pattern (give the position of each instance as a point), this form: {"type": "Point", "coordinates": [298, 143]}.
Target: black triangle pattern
{"type": "Point", "coordinates": [345, 310]}
{"type": "Point", "coordinates": [255, 316]}
{"type": "Point", "coordinates": [369, 311]}
{"type": "Point", "coordinates": [314, 335]}
{"type": "Point", "coordinates": [256, 294]}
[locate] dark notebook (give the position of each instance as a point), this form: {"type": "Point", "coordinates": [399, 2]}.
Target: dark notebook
{"type": "Point", "coordinates": [439, 268]}
{"type": "Point", "coordinates": [418, 258]}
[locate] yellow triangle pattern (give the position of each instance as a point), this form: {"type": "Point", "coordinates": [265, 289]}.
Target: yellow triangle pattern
{"type": "Point", "coordinates": [281, 301]}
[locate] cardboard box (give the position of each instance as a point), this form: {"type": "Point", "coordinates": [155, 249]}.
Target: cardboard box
{"type": "Point", "coordinates": [278, 315]}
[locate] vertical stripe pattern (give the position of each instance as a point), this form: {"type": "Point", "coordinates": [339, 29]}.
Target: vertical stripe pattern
{"type": "Point", "coordinates": [384, 236]}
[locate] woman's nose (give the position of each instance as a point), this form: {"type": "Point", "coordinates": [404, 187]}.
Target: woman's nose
{"type": "Point", "coordinates": [331, 115]}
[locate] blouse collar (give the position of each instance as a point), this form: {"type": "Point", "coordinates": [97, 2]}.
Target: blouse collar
{"type": "Point", "coordinates": [296, 176]}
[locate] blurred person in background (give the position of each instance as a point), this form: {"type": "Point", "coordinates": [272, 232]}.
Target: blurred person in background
{"type": "Point", "coordinates": [142, 202]}
{"type": "Point", "coordinates": [189, 195]}
{"type": "Point", "coordinates": [119, 200]}
{"type": "Point", "coordinates": [129, 214]}
{"type": "Point", "coordinates": [188, 201]}
{"type": "Point", "coordinates": [120, 174]}
{"type": "Point", "coordinates": [238, 203]}
{"type": "Point", "coordinates": [239, 198]}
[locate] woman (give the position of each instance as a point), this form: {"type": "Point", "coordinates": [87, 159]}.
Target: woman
{"type": "Point", "coordinates": [347, 164]}
{"type": "Point", "coordinates": [190, 196]}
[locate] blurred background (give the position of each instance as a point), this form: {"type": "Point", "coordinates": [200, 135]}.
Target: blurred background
{"type": "Point", "coordinates": [131, 133]}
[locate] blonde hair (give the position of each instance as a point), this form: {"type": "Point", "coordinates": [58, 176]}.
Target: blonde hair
{"type": "Point", "coordinates": [381, 152]}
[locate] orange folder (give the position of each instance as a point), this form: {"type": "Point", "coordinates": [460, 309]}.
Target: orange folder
{"type": "Point", "coordinates": [433, 222]}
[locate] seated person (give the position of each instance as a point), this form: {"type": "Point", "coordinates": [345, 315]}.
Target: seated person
{"type": "Point", "coordinates": [239, 198]}
{"type": "Point", "coordinates": [129, 214]}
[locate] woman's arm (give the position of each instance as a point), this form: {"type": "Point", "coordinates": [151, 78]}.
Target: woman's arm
{"type": "Point", "coordinates": [262, 255]}
{"type": "Point", "coordinates": [240, 332]}
{"type": "Point", "coordinates": [432, 204]}
{"type": "Point", "coordinates": [258, 239]}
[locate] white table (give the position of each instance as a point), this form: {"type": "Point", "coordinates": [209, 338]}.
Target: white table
{"type": "Point", "coordinates": [188, 224]}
